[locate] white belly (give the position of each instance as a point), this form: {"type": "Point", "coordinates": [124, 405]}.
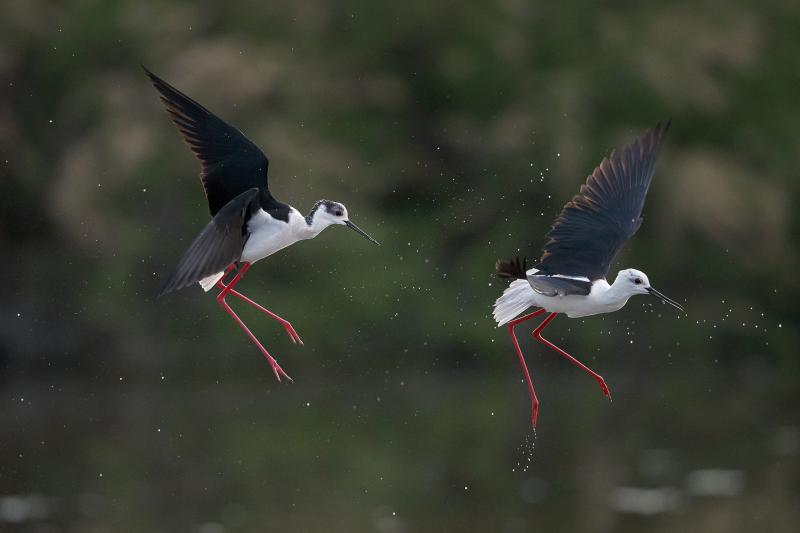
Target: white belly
{"type": "Point", "coordinates": [268, 235]}
{"type": "Point", "coordinates": [576, 306]}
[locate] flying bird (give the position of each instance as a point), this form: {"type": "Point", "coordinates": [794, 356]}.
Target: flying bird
{"type": "Point", "coordinates": [248, 223]}
{"type": "Point", "coordinates": [570, 277]}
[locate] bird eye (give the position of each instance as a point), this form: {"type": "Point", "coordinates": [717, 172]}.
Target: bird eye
{"type": "Point", "coordinates": [338, 213]}
{"type": "Point", "coordinates": [638, 281]}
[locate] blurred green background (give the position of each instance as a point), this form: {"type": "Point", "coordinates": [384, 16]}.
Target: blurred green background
{"type": "Point", "coordinates": [454, 132]}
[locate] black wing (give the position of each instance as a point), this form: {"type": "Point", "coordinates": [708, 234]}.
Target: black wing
{"type": "Point", "coordinates": [595, 224]}
{"type": "Point", "coordinates": [218, 245]}
{"type": "Point", "coordinates": [230, 162]}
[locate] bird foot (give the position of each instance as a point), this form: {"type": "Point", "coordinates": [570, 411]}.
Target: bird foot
{"type": "Point", "coordinates": [604, 387]}
{"type": "Point", "coordinates": [291, 332]}
{"type": "Point", "coordinates": [534, 414]}
{"type": "Point", "coordinates": [276, 369]}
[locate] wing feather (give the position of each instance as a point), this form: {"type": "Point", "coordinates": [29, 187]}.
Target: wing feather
{"type": "Point", "coordinates": [229, 162]}
{"type": "Point", "coordinates": [217, 246]}
{"type": "Point", "coordinates": [596, 223]}
{"type": "Point", "coordinates": [558, 286]}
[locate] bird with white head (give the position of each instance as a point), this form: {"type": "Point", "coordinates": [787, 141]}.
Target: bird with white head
{"type": "Point", "coordinates": [248, 223]}
{"type": "Point", "coordinates": [570, 277]}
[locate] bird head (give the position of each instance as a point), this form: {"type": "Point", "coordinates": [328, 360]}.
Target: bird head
{"type": "Point", "coordinates": [328, 213]}
{"type": "Point", "coordinates": [636, 282]}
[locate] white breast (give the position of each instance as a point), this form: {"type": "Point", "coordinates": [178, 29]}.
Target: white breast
{"type": "Point", "coordinates": [268, 235]}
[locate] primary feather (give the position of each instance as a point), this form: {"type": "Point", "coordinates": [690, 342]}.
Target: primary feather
{"type": "Point", "coordinates": [230, 163]}
{"type": "Point", "coordinates": [596, 222]}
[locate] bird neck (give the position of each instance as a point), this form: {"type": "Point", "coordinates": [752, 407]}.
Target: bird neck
{"type": "Point", "coordinates": [615, 295]}
{"type": "Point", "coordinates": [314, 222]}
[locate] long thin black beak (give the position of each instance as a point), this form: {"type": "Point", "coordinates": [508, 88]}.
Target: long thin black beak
{"type": "Point", "coordinates": [664, 298]}
{"type": "Point", "coordinates": [360, 231]}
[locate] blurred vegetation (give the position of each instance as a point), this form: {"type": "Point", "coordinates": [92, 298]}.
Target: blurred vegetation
{"type": "Point", "coordinates": [454, 133]}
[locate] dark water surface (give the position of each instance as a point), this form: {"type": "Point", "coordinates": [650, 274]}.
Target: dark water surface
{"type": "Point", "coordinates": [686, 453]}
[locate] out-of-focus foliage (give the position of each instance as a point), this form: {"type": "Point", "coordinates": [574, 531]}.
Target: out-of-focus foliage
{"type": "Point", "coordinates": [454, 132]}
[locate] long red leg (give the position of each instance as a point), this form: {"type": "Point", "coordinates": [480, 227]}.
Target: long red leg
{"type": "Point", "coordinates": [537, 334]}
{"type": "Point", "coordinates": [276, 368]}
{"type": "Point", "coordinates": [285, 323]}
{"type": "Point", "coordinates": [230, 267]}
{"type": "Point", "coordinates": [534, 399]}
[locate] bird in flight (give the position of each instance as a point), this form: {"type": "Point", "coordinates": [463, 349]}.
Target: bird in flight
{"type": "Point", "coordinates": [570, 277]}
{"type": "Point", "coordinates": [248, 223]}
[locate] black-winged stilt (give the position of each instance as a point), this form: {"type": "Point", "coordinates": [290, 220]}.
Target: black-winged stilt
{"type": "Point", "coordinates": [248, 223]}
{"type": "Point", "coordinates": [591, 229]}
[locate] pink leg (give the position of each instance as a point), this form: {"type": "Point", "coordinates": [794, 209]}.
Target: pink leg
{"type": "Point", "coordinates": [229, 287]}
{"type": "Point", "coordinates": [537, 334]}
{"type": "Point", "coordinates": [285, 323]}
{"type": "Point", "coordinates": [276, 368]}
{"type": "Point", "coordinates": [534, 399]}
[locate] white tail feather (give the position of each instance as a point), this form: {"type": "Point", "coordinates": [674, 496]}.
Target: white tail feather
{"type": "Point", "coordinates": [209, 282]}
{"type": "Point", "coordinates": [515, 299]}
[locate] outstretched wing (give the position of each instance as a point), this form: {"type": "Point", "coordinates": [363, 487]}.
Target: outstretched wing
{"type": "Point", "coordinates": [218, 245]}
{"type": "Point", "coordinates": [229, 162]}
{"type": "Point", "coordinates": [607, 211]}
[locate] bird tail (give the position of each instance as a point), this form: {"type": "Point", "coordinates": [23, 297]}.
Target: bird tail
{"type": "Point", "coordinates": [209, 282]}
{"type": "Point", "coordinates": [515, 299]}
{"type": "Point", "coordinates": [511, 268]}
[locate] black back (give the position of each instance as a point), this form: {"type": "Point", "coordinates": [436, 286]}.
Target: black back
{"type": "Point", "coordinates": [607, 211]}
{"type": "Point", "coordinates": [230, 163]}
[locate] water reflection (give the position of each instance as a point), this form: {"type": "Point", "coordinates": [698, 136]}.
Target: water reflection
{"type": "Point", "coordinates": [235, 455]}
{"type": "Point", "coordinates": [645, 501]}
{"type": "Point", "coordinates": [18, 508]}
{"type": "Point", "coordinates": [715, 482]}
